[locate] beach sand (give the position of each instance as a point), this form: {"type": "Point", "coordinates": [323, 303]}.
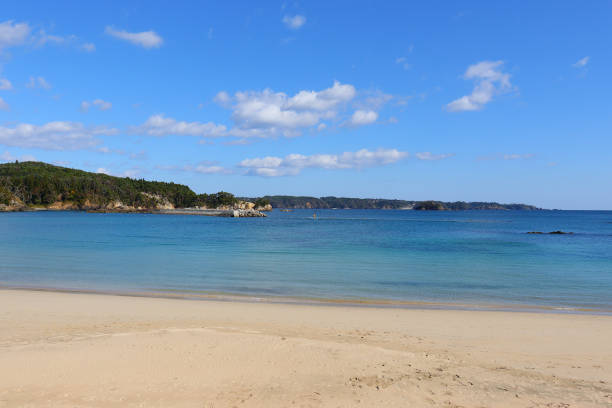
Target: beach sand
{"type": "Point", "coordinates": [87, 350]}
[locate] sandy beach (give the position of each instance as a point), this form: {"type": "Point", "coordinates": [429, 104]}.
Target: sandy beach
{"type": "Point", "coordinates": [87, 350]}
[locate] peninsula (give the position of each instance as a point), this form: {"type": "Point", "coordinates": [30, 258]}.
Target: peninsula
{"type": "Point", "coordinates": [35, 186]}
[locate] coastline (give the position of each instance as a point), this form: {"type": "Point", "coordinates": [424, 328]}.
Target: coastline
{"type": "Point", "coordinates": [317, 301]}
{"type": "Point", "coordinates": [74, 349]}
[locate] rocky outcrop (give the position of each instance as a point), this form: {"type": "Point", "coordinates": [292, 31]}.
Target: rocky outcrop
{"type": "Point", "coordinates": [550, 233]}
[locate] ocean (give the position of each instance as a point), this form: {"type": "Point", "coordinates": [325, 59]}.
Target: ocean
{"type": "Point", "coordinates": [473, 258]}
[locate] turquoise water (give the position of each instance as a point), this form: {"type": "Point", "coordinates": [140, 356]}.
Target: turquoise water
{"type": "Point", "coordinates": [476, 257]}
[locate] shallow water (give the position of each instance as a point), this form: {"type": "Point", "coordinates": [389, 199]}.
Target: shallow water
{"type": "Point", "coordinates": [476, 257]}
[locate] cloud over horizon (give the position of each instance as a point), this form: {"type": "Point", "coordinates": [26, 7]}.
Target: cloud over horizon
{"type": "Point", "coordinates": [293, 164]}
{"type": "Point", "coordinates": [56, 135]}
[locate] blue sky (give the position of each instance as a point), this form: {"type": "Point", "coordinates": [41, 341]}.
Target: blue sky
{"type": "Point", "coordinates": [466, 100]}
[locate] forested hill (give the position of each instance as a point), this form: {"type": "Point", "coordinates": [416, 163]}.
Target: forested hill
{"type": "Point", "coordinates": [45, 185]}
{"type": "Point", "coordinates": [377, 203]}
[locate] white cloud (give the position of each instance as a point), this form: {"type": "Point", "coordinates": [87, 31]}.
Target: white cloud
{"type": "Point", "coordinates": [323, 100]}
{"type": "Point", "coordinates": [99, 103]}
{"type": "Point", "coordinates": [294, 163]}
{"type": "Point", "coordinates": [223, 98]}
{"type": "Point", "coordinates": [268, 113]}
{"type": "Point", "coordinates": [38, 82]}
{"type": "Point", "coordinates": [294, 22]}
{"type": "Point", "coordinates": [261, 114]}
{"type": "Point", "coordinates": [53, 135]}
{"type": "Point", "coordinates": [430, 156]}
{"type": "Point", "coordinates": [363, 117]}
{"type": "Point", "coordinates": [12, 34]}
{"type": "Point", "coordinates": [581, 62]}
{"type": "Point", "coordinates": [3, 105]}
{"type": "Point", "coordinates": [89, 47]}
{"type": "Point", "coordinates": [159, 125]}
{"type": "Point", "coordinates": [5, 84]}
{"type": "Point", "coordinates": [145, 39]}
{"type": "Point", "coordinates": [490, 80]}
{"type": "Point", "coordinates": [102, 170]}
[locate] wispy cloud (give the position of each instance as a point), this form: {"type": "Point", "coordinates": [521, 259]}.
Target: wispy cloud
{"type": "Point", "coordinates": [89, 47]}
{"type": "Point", "coordinates": [507, 156]}
{"type": "Point", "coordinates": [489, 81]}
{"type": "Point", "coordinates": [5, 84]}
{"type": "Point", "coordinates": [15, 34]}
{"type": "Point", "coordinates": [146, 39]}
{"type": "Point", "coordinates": [294, 22]}
{"type": "Point", "coordinates": [38, 82]}
{"type": "Point", "coordinates": [431, 156]}
{"type": "Point", "coordinates": [515, 156]}
{"type": "Point", "coordinates": [403, 62]}
{"type": "Point", "coordinates": [582, 62]}
{"type": "Point", "coordinates": [99, 103]}
{"type": "Point", "coordinates": [3, 105]}
{"type": "Point", "coordinates": [204, 167]}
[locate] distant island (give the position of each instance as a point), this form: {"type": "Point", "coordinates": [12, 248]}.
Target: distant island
{"type": "Point", "coordinates": [293, 202]}
{"type": "Point", "coordinates": [30, 186]}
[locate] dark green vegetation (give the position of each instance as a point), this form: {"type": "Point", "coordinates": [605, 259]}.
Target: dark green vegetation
{"type": "Point", "coordinates": [41, 184]}
{"type": "Point", "coordinates": [261, 202]}
{"type": "Point", "coordinates": [376, 203]}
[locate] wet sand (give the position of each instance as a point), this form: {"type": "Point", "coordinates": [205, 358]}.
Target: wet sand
{"type": "Point", "coordinates": [89, 350]}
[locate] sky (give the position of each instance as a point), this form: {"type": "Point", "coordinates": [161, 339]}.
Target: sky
{"type": "Point", "coordinates": [444, 100]}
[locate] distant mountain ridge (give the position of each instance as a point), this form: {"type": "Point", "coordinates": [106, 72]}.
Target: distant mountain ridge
{"type": "Point", "coordinates": [279, 201]}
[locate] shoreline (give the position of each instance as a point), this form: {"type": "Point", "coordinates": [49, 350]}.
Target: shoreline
{"type": "Point", "coordinates": [315, 301]}
{"type": "Point", "coordinates": [71, 349]}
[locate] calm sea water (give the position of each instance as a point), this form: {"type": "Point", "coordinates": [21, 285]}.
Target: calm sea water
{"type": "Point", "coordinates": [477, 257]}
